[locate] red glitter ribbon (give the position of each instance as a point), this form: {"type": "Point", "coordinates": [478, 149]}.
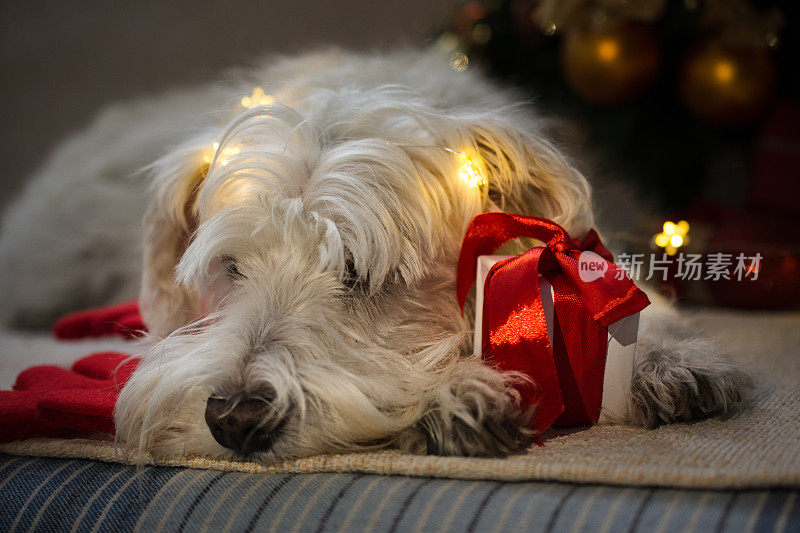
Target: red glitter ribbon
{"type": "Point", "coordinates": [567, 376]}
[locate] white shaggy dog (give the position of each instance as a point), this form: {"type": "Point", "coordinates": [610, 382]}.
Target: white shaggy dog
{"type": "Point", "coordinates": [298, 281]}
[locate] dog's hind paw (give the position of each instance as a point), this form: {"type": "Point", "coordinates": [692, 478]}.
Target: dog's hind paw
{"type": "Point", "coordinates": [685, 381]}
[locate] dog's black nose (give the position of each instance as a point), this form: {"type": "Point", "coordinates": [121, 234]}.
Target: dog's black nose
{"type": "Point", "coordinates": [242, 424]}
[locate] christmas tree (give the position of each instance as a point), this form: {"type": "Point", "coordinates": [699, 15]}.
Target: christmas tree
{"type": "Point", "coordinates": [694, 104]}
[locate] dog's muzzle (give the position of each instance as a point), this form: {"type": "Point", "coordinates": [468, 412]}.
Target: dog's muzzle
{"type": "Point", "coordinates": [244, 425]}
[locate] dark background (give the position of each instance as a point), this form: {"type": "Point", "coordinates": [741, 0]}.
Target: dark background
{"type": "Point", "coordinates": [60, 62]}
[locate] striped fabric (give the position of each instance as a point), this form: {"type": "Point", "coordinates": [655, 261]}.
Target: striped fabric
{"type": "Point", "coordinates": [39, 494]}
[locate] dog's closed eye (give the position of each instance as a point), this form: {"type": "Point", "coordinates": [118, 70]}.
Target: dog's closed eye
{"type": "Point", "coordinates": [232, 268]}
{"type": "Point", "coordinates": [352, 279]}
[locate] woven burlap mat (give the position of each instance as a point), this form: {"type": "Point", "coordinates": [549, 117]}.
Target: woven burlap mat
{"type": "Point", "coordinates": [757, 447]}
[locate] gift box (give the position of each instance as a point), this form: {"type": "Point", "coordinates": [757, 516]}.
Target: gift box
{"type": "Point", "coordinates": [620, 351]}
{"type": "Point", "coordinates": [562, 315]}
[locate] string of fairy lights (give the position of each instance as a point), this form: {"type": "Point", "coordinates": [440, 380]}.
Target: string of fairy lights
{"type": "Point", "coordinates": [673, 236]}
{"type": "Point", "coordinates": [469, 169]}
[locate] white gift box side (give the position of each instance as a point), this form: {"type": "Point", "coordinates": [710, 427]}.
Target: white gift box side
{"type": "Point", "coordinates": [621, 344]}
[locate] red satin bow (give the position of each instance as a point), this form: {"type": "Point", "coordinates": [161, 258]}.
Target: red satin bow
{"type": "Point", "coordinates": [568, 375]}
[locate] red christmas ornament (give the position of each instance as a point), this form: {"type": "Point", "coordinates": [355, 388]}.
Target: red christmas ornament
{"type": "Point", "coordinates": [775, 175]}
{"type": "Point", "coordinates": [775, 282]}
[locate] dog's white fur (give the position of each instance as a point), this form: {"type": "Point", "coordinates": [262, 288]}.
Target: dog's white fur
{"type": "Point", "coordinates": [312, 263]}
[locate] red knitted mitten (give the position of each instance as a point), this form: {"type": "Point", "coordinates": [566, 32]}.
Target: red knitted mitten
{"type": "Point", "coordinates": [49, 401]}
{"type": "Point", "coordinates": [120, 319]}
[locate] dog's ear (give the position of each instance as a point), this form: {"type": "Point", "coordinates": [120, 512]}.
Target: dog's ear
{"type": "Point", "coordinates": [528, 175]}
{"type": "Point", "coordinates": [170, 223]}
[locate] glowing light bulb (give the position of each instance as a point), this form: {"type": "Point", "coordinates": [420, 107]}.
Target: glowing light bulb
{"type": "Point", "coordinates": [224, 155]}
{"type": "Point", "coordinates": [673, 237]}
{"type": "Point", "coordinates": [459, 61]}
{"type": "Point", "coordinates": [208, 155]}
{"type": "Point", "coordinates": [469, 171]}
{"type": "Point", "coordinates": [259, 97]}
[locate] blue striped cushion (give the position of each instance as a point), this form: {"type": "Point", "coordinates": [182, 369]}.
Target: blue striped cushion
{"type": "Point", "coordinates": [38, 494]}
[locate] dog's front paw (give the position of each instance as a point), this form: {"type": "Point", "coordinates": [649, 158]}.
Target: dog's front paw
{"type": "Point", "coordinates": [683, 381]}
{"type": "Point", "coordinates": [491, 437]}
{"type": "Point", "coordinates": [477, 429]}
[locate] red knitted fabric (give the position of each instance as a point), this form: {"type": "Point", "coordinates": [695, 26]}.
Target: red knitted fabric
{"type": "Point", "coordinates": [48, 401]}
{"type": "Point", "coordinates": [121, 319]}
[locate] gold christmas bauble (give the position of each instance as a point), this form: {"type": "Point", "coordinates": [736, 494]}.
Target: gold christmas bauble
{"type": "Point", "coordinates": [611, 64]}
{"type": "Point", "coordinates": [727, 86]}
